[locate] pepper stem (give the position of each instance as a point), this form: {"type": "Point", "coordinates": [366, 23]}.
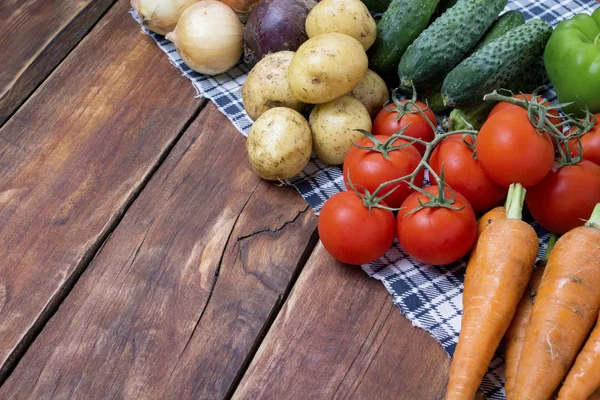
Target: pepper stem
{"type": "Point", "coordinates": [514, 201]}
{"type": "Point", "coordinates": [594, 220]}
{"type": "Point", "coordinates": [551, 243]}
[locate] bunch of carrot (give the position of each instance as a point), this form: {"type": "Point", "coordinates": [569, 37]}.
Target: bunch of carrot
{"type": "Point", "coordinates": [544, 316]}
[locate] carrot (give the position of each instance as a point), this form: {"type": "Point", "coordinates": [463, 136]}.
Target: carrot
{"type": "Point", "coordinates": [495, 281]}
{"type": "Point", "coordinates": [485, 221]}
{"type": "Point", "coordinates": [515, 335]}
{"type": "Point", "coordinates": [565, 310]}
{"type": "Point", "coordinates": [584, 377]}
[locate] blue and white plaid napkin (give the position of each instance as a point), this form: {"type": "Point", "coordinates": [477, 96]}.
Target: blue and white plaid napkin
{"type": "Point", "coordinates": [430, 297]}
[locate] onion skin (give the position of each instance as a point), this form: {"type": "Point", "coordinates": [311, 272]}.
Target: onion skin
{"type": "Point", "coordinates": [275, 25]}
{"type": "Point", "coordinates": [208, 37]}
{"type": "Point", "coordinates": [160, 16]}
{"type": "Point", "coordinates": [241, 7]}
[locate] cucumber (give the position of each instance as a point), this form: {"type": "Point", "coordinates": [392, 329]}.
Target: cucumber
{"type": "Point", "coordinates": [496, 65]}
{"type": "Point", "coordinates": [400, 25]}
{"type": "Point", "coordinates": [532, 78]}
{"type": "Point", "coordinates": [433, 97]}
{"type": "Point", "coordinates": [443, 45]}
{"type": "Point", "coordinates": [378, 6]}
{"type": "Point", "coordinates": [504, 23]}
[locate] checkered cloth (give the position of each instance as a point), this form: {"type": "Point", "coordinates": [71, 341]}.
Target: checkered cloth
{"type": "Point", "coordinates": [430, 297]}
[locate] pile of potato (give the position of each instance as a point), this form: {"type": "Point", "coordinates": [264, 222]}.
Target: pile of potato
{"type": "Point", "coordinates": [330, 70]}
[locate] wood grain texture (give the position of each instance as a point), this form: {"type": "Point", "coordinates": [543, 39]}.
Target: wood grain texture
{"type": "Point", "coordinates": [73, 158]}
{"type": "Point", "coordinates": [35, 35]}
{"type": "Point", "coordinates": [339, 336]}
{"type": "Point", "coordinates": [175, 302]}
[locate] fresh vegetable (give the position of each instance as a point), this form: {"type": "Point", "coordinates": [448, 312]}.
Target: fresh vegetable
{"type": "Point", "coordinates": [565, 197]}
{"type": "Point", "coordinates": [496, 64]}
{"type": "Point", "coordinates": [442, 46]}
{"type": "Point", "coordinates": [267, 86]}
{"type": "Point", "coordinates": [464, 173]}
{"type": "Point", "coordinates": [208, 37]}
{"type": "Point", "coordinates": [553, 116]}
{"type": "Point", "coordinates": [474, 116]}
{"type": "Point", "coordinates": [528, 80]}
{"type": "Point", "coordinates": [584, 379]}
{"type": "Point", "coordinates": [590, 143]}
{"type": "Point", "coordinates": [484, 222]}
{"type": "Point", "coordinates": [515, 335]}
{"type": "Point", "coordinates": [160, 16]}
{"type": "Point", "coordinates": [507, 21]}
{"type": "Point", "coordinates": [372, 92]}
{"type": "Point", "coordinates": [327, 67]}
{"type": "Point", "coordinates": [565, 310]}
{"type": "Point", "coordinates": [275, 25]}
{"type": "Point", "coordinates": [400, 25]}
{"type": "Point", "coordinates": [441, 230]}
{"type": "Point", "coordinates": [433, 98]}
{"type": "Point", "coordinates": [279, 144]}
{"type": "Point", "coordinates": [241, 7]}
{"type": "Point", "coordinates": [510, 149]}
{"type": "Point", "coordinates": [506, 253]}
{"type": "Point", "coordinates": [378, 6]}
{"type": "Point", "coordinates": [350, 17]}
{"type": "Point", "coordinates": [355, 230]}
{"type": "Point", "coordinates": [377, 159]}
{"type": "Point", "coordinates": [572, 57]}
{"type": "Point", "coordinates": [335, 127]}
{"type": "Point", "coordinates": [413, 115]}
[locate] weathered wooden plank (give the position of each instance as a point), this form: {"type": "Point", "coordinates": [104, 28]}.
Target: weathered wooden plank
{"type": "Point", "coordinates": [71, 160]}
{"type": "Point", "coordinates": [175, 303]}
{"type": "Point", "coordinates": [339, 336]}
{"type": "Point", "coordinates": [35, 35]}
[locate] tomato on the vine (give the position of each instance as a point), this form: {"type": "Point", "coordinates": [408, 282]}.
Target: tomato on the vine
{"type": "Point", "coordinates": [370, 168]}
{"type": "Point", "coordinates": [387, 122]}
{"type": "Point", "coordinates": [351, 232]}
{"type": "Point", "coordinates": [511, 150]}
{"type": "Point", "coordinates": [439, 235]}
{"type": "Point", "coordinates": [464, 174]}
{"type": "Point", "coordinates": [565, 197]}
{"type": "Point", "coordinates": [590, 142]}
{"type": "Point", "coordinates": [502, 106]}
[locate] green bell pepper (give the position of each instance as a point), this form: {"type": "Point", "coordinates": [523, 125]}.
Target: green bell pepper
{"type": "Point", "coordinates": [572, 60]}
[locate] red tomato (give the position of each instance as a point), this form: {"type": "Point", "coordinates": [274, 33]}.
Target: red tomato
{"type": "Point", "coordinates": [590, 143]}
{"type": "Point", "coordinates": [436, 236]}
{"type": "Point", "coordinates": [386, 124]}
{"type": "Point", "coordinates": [352, 233]}
{"type": "Point", "coordinates": [502, 106]}
{"type": "Point", "coordinates": [370, 169]}
{"type": "Point", "coordinates": [464, 174]}
{"type": "Point", "coordinates": [510, 149]}
{"type": "Point", "coordinates": [566, 197]}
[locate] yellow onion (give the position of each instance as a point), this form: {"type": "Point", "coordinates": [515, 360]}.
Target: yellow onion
{"type": "Point", "coordinates": [241, 7]}
{"type": "Point", "coordinates": [160, 16]}
{"type": "Point", "coordinates": [208, 37]}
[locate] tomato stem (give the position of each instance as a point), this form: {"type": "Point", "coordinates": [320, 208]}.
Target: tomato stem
{"type": "Point", "coordinates": [371, 200]}
{"type": "Point", "coordinates": [386, 147]}
{"type": "Point", "coordinates": [594, 220]}
{"type": "Point", "coordinates": [514, 201]}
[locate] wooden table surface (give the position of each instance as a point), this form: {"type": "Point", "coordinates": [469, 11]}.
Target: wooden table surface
{"type": "Point", "coordinates": [140, 257]}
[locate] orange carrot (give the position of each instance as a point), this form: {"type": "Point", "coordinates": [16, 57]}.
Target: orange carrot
{"type": "Point", "coordinates": [584, 377]}
{"type": "Point", "coordinates": [485, 221]}
{"type": "Point", "coordinates": [501, 268]}
{"type": "Point", "coordinates": [565, 310]}
{"type": "Point", "coordinates": [515, 335]}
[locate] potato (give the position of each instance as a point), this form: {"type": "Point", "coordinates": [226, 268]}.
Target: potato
{"type": "Point", "coordinates": [326, 67]}
{"type": "Point", "coordinates": [372, 92]}
{"type": "Point", "coordinates": [279, 144]}
{"type": "Point", "coordinates": [267, 86]}
{"type": "Point", "coordinates": [350, 17]}
{"type": "Point", "coordinates": [333, 127]}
